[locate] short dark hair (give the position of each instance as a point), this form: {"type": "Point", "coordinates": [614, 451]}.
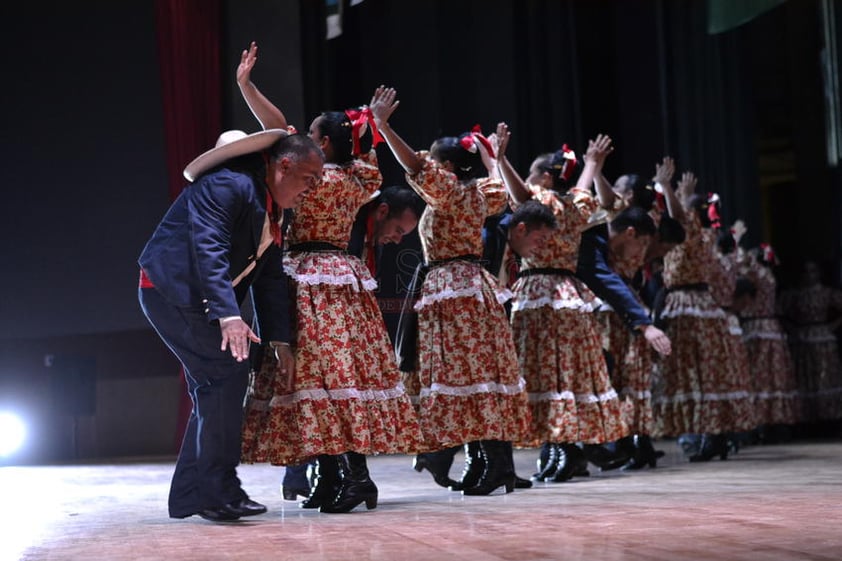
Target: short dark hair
{"type": "Point", "coordinates": [296, 147]}
{"type": "Point", "coordinates": [399, 198]}
{"type": "Point", "coordinates": [725, 241]}
{"type": "Point", "coordinates": [634, 217]}
{"type": "Point", "coordinates": [534, 215]}
{"type": "Point", "coordinates": [670, 230]}
{"type": "Point", "coordinates": [557, 166]}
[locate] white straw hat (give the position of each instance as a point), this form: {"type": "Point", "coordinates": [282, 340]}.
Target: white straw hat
{"type": "Point", "coordinates": [231, 144]}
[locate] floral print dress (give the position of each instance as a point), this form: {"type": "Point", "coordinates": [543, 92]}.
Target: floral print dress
{"type": "Point", "coordinates": [558, 337]}
{"type": "Point", "coordinates": [468, 379]}
{"type": "Point", "coordinates": [347, 393]}
{"type": "Point", "coordinates": [815, 351]}
{"type": "Point", "coordinates": [774, 388]}
{"type": "Point", "coordinates": [699, 387]}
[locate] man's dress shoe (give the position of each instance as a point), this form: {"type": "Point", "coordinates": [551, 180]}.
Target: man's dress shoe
{"type": "Point", "coordinates": [232, 511]}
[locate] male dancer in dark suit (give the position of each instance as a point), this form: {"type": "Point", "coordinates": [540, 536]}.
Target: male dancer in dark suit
{"type": "Point", "coordinates": [219, 241]}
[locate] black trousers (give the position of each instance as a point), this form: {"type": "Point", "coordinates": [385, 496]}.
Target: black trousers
{"type": "Point", "coordinates": [206, 471]}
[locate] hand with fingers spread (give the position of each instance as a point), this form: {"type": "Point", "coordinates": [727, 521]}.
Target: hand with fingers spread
{"type": "Point", "coordinates": [687, 186]}
{"type": "Point", "coordinates": [664, 171]}
{"type": "Point", "coordinates": [383, 104]}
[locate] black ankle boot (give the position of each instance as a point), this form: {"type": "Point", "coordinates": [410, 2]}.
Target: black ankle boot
{"type": "Point", "coordinates": [572, 462]}
{"type": "Point", "coordinates": [520, 482]}
{"type": "Point", "coordinates": [550, 465]}
{"type": "Point", "coordinates": [438, 464]}
{"type": "Point", "coordinates": [644, 454]}
{"type": "Point", "coordinates": [474, 467]}
{"type": "Point", "coordinates": [325, 482]}
{"type": "Point", "coordinates": [499, 471]}
{"type": "Point", "coordinates": [711, 445]}
{"type": "Point", "coordinates": [606, 459]}
{"type": "Point", "coordinates": [356, 488]}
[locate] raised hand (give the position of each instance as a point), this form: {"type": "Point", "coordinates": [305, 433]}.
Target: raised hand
{"type": "Point", "coordinates": [664, 171]}
{"type": "Point", "coordinates": [687, 185]}
{"type": "Point", "coordinates": [247, 60]}
{"type": "Point", "coordinates": [739, 230]}
{"type": "Point", "coordinates": [598, 149]}
{"type": "Point", "coordinates": [500, 140]}
{"type": "Point", "coordinates": [383, 104]}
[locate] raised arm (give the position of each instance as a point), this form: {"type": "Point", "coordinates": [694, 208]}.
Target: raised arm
{"type": "Point", "coordinates": [383, 104]}
{"type": "Point", "coordinates": [269, 116]}
{"type": "Point", "coordinates": [514, 183]}
{"type": "Point", "coordinates": [663, 177]}
{"type": "Point", "coordinates": [604, 190]}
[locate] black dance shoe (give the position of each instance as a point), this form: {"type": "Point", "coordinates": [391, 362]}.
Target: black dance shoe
{"type": "Point", "coordinates": [712, 445]}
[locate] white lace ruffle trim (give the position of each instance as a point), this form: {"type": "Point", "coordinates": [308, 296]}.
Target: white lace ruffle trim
{"type": "Point", "coordinates": [336, 280]}
{"type": "Point", "coordinates": [329, 395]}
{"type": "Point", "coordinates": [702, 397]}
{"type": "Point", "coordinates": [473, 292]}
{"type": "Point", "coordinates": [769, 335]}
{"type": "Point", "coordinates": [473, 389]}
{"type": "Point", "coordinates": [695, 312]}
{"type": "Point", "coordinates": [570, 396]}
{"type": "Point", "coordinates": [555, 304]}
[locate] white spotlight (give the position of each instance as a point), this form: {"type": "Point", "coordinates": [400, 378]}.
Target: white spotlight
{"type": "Point", "coordinates": [12, 433]}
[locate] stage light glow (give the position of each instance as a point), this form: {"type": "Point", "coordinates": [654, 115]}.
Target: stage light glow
{"type": "Point", "coordinates": [12, 433]}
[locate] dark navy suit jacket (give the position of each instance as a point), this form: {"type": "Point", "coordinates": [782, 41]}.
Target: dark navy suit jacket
{"type": "Point", "coordinates": [608, 285]}
{"type": "Point", "coordinates": [209, 236]}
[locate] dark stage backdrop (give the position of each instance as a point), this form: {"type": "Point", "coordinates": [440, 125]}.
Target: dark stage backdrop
{"type": "Point", "coordinates": [83, 139]}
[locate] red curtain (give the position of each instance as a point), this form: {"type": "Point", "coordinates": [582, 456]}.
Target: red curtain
{"type": "Point", "coordinates": [189, 37]}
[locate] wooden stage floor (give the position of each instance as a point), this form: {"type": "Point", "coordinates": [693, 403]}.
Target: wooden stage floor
{"type": "Point", "coordinates": [766, 503]}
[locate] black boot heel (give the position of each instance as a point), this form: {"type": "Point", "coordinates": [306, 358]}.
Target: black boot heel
{"type": "Point", "coordinates": [438, 464]}
{"type": "Point", "coordinates": [357, 487]}
{"type": "Point", "coordinates": [499, 471]}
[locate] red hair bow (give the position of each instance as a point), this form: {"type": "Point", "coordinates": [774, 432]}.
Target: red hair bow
{"type": "Point", "coordinates": [713, 210]}
{"type": "Point", "coordinates": [469, 142]}
{"type": "Point", "coordinates": [768, 254]}
{"type": "Point", "coordinates": [570, 162]}
{"type": "Point", "coordinates": [359, 119]}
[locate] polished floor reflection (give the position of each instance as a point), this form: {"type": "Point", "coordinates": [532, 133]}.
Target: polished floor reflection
{"type": "Point", "coordinates": [776, 502]}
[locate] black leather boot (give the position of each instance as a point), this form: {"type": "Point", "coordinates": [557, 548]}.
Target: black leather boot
{"type": "Point", "coordinates": [325, 482]}
{"type": "Point", "coordinates": [550, 465]}
{"type": "Point", "coordinates": [499, 471]}
{"type": "Point", "coordinates": [644, 454]}
{"type": "Point", "coordinates": [711, 445]}
{"type": "Point", "coordinates": [438, 463]}
{"type": "Point", "coordinates": [572, 462]}
{"type": "Point", "coordinates": [520, 482]}
{"type": "Point", "coordinates": [474, 467]}
{"type": "Point", "coordinates": [607, 459]}
{"type": "Point", "coordinates": [357, 487]}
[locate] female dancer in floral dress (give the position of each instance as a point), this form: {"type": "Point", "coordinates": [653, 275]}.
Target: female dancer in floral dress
{"type": "Point", "coordinates": [698, 394]}
{"type": "Point", "coordinates": [346, 399]}
{"type": "Point", "coordinates": [471, 389]}
{"type": "Point", "coordinates": [808, 311]}
{"type": "Point", "coordinates": [556, 333]}
{"type": "Point", "coordinates": [772, 376]}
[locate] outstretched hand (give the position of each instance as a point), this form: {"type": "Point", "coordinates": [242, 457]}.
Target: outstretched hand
{"type": "Point", "coordinates": [599, 149]}
{"type": "Point", "coordinates": [383, 104]}
{"type": "Point", "coordinates": [247, 60]}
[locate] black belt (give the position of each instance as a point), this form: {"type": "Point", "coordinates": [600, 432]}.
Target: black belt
{"type": "Point", "coordinates": [315, 246]}
{"type": "Point", "coordinates": [545, 271]}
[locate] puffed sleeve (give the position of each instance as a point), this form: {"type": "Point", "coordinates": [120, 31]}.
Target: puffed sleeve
{"type": "Point", "coordinates": [495, 195]}
{"type": "Point", "coordinates": [366, 171]}
{"type": "Point", "coordinates": [433, 183]}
